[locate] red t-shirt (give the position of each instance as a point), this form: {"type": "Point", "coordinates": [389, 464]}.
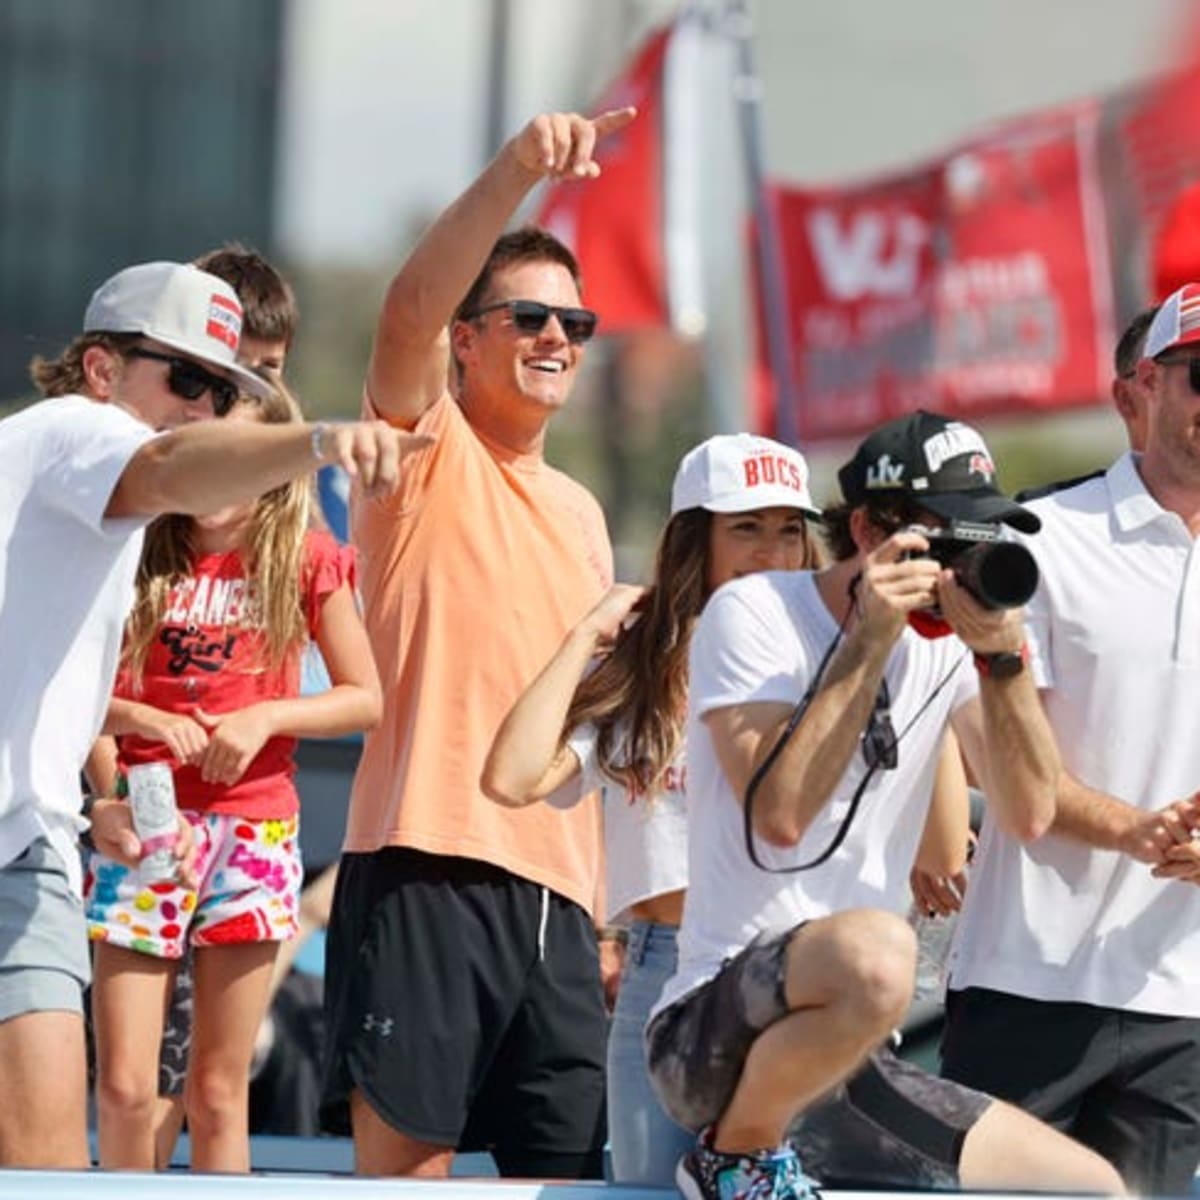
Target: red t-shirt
{"type": "Point", "coordinates": [205, 656]}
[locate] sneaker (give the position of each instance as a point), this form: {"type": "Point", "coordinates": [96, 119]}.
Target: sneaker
{"type": "Point", "coordinates": [706, 1174]}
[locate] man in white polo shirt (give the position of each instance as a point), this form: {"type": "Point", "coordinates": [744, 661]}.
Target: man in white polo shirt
{"type": "Point", "coordinates": [1075, 983]}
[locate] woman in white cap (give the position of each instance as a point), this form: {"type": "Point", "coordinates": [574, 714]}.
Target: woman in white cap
{"type": "Point", "coordinates": [739, 504]}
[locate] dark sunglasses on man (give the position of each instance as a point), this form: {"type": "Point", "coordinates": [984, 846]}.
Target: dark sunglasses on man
{"type": "Point", "coordinates": [189, 380]}
{"type": "Point", "coordinates": [1193, 366]}
{"type": "Point", "coordinates": [530, 316]}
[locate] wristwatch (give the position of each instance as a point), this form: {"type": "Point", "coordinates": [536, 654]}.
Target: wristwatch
{"type": "Point", "coordinates": [1004, 664]}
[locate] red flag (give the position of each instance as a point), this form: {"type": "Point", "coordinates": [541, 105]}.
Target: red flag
{"type": "Point", "coordinates": [614, 224]}
{"type": "Point", "coordinates": [975, 284]}
{"type": "Point", "coordinates": [1158, 164]}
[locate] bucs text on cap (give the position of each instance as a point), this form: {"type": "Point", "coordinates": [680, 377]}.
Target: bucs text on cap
{"type": "Point", "coordinates": [737, 472]}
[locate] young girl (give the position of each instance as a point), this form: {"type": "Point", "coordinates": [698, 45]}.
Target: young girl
{"type": "Point", "coordinates": [739, 504]}
{"type": "Point", "coordinates": [210, 683]}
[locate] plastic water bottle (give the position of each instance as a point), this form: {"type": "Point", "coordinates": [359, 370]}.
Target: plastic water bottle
{"type": "Point", "coordinates": [934, 935]}
{"type": "Point", "coordinates": [155, 820]}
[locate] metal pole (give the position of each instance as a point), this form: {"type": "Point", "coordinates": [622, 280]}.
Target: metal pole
{"type": "Point", "coordinates": [495, 116]}
{"type": "Point", "coordinates": [748, 91]}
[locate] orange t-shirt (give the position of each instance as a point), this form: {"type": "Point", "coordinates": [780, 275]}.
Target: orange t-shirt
{"type": "Point", "coordinates": [471, 572]}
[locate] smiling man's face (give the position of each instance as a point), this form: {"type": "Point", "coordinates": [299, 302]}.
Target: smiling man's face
{"type": "Point", "coordinates": [505, 363]}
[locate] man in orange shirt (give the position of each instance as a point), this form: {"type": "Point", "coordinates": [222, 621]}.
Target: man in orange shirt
{"type": "Point", "coordinates": [463, 991]}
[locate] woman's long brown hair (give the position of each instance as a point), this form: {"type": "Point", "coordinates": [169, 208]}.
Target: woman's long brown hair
{"type": "Point", "coordinates": [637, 696]}
{"type": "Point", "coordinates": [273, 554]}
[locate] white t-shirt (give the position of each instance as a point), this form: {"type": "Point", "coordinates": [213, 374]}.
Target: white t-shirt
{"type": "Point", "coordinates": [761, 639]}
{"type": "Point", "coordinates": [645, 841]}
{"type": "Point", "coordinates": [66, 585]}
{"type": "Point", "coordinates": [1114, 632]}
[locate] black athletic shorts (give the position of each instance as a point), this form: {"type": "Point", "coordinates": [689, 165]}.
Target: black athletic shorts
{"type": "Point", "coordinates": [1126, 1084]}
{"type": "Point", "coordinates": [889, 1124]}
{"type": "Point", "coordinates": [465, 1005]}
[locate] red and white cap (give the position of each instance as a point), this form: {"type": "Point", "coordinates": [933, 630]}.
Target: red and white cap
{"type": "Point", "coordinates": [737, 472]}
{"type": "Point", "coordinates": [1177, 322]}
{"type": "Point", "coordinates": [180, 306]}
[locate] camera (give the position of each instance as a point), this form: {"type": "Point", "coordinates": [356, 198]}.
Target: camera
{"type": "Point", "coordinates": [997, 573]}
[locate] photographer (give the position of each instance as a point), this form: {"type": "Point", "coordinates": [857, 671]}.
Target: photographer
{"type": "Point", "coordinates": [790, 980]}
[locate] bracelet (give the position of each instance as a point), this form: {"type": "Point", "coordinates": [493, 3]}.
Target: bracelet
{"type": "Point", "coordinates": [613, 933]}
{"type": "Point", "coordinates": [318, 435]}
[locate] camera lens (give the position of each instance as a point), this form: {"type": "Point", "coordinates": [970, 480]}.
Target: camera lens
{"type": "Point", "coordinates": [998, 574]}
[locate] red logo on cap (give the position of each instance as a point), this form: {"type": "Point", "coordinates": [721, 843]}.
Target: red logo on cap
{"type": "Point", "coordinates": [980, 464]}
{"type": "Point", "coordinates": [768, 468]}
{"type": "Point", "coordinates": [224, 321]}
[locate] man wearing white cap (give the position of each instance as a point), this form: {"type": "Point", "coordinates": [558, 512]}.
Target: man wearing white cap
{"type": "Point", "coordinates": [816, 716]}
{"type": "Point", "coordinates": [81, 474]}
{"type": "Point", "coordinates": [1076, 988]}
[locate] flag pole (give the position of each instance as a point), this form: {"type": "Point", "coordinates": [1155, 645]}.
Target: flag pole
{"type": "Point", "coordinates": [748, 92]}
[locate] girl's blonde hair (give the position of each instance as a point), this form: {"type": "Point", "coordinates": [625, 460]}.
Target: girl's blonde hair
{"type": "Point", "coordinates": [637, 696]}
{"type": "Point", "coordinates": [273, 555]}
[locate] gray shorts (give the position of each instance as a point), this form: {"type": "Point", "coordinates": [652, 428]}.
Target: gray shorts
{"type": "Point", "coordinates": [890, 1123]}
{"type": "Point", "coordinates": [43, 937]}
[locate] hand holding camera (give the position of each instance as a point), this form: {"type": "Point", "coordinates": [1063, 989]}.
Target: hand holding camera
{"type": "Point", "coordinates": [898, 578]}
{"type": "Point", "coordinates": [997, 573]}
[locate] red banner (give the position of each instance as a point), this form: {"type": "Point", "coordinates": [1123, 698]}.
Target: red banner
{"type": "Point", "coordinates": [614, 223]}
{"type": "Point", "coordinates": [977, 284]}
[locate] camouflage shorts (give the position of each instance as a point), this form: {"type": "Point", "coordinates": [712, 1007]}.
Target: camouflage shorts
{"type": "Point", "coordinates": [696, 1048]}
{"type": "Point", "coordinates": [890, 1124]}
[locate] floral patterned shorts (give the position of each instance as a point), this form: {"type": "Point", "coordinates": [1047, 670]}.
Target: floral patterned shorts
{"type": "Point", "coordinates": [249, 876]}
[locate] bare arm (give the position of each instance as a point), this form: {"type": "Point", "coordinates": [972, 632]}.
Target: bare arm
{"type": "Point", "coordinates": [816, 756]}
{"type": "Point", "coordinates": [354, 701]}
{"type": "Point", "coordinates": [212, 465]}
{"type": "Point", "coordinates": [100, 770]}
{"type": "Point", "coordinates": [947, 833]}
{"type": "Point", "coordinates": [182, 735]}
{"type": "Point", "coordinates": [411, 354]}
{"type": "Point", "coordinates": [1162, 838]}
{"type": "Point", "coordinates": [1004, 734]}
{"type": "Point", "coordinates": [938, 878]}
{"type": "Point", "coordinates": [526, 762]}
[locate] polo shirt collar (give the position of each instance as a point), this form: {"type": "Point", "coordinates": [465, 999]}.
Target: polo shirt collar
{"type": "Point", "coordinates": [1133, 506]}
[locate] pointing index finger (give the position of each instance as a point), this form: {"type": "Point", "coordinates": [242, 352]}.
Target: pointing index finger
{"type": "Point", "coordinates": [612, 120]}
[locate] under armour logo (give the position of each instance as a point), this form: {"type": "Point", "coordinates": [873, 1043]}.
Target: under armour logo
{"type": "Point", "coordinates": [372, 1024]}
{"type": "Point", "coordinates": [885, 473]}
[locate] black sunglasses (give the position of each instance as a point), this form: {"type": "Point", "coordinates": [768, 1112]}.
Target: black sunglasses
{"type": "Point", "coordinates": [879, 741]}
{"type": "Point", "coordinates": [189, 380]}
{"type": "Point", "coordinates": [1193, 366]}
{"type": "Point", "coordinates": [530, 316]}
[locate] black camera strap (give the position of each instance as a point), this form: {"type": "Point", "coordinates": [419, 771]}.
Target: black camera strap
{"type": "Point", "coordinates": [760, 772]}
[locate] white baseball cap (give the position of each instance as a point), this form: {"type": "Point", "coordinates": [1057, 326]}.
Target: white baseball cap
{"type": "Point", "coordinates": [181, 307]}
{"type": "Point", "coordinates": [736, 472]}
{"type": "Point", "coordinates": [1177, 322]}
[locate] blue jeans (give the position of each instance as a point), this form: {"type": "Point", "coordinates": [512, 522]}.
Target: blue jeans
{"type": "Point", "coordinates": [645, 1143]}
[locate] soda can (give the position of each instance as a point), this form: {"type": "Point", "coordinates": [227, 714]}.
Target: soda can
{"type": "Point", "coordinates": [155, 820]}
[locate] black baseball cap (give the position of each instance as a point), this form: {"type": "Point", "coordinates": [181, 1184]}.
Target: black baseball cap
{"type": "Point", "coordinates": [942, 464]}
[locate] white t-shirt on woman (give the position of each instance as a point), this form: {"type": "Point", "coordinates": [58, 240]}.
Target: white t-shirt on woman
{"type": "Point", "coordinates": [645, 839]}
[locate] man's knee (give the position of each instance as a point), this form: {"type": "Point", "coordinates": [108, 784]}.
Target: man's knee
{"type": "Point", "coordinates": [862, 962]}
